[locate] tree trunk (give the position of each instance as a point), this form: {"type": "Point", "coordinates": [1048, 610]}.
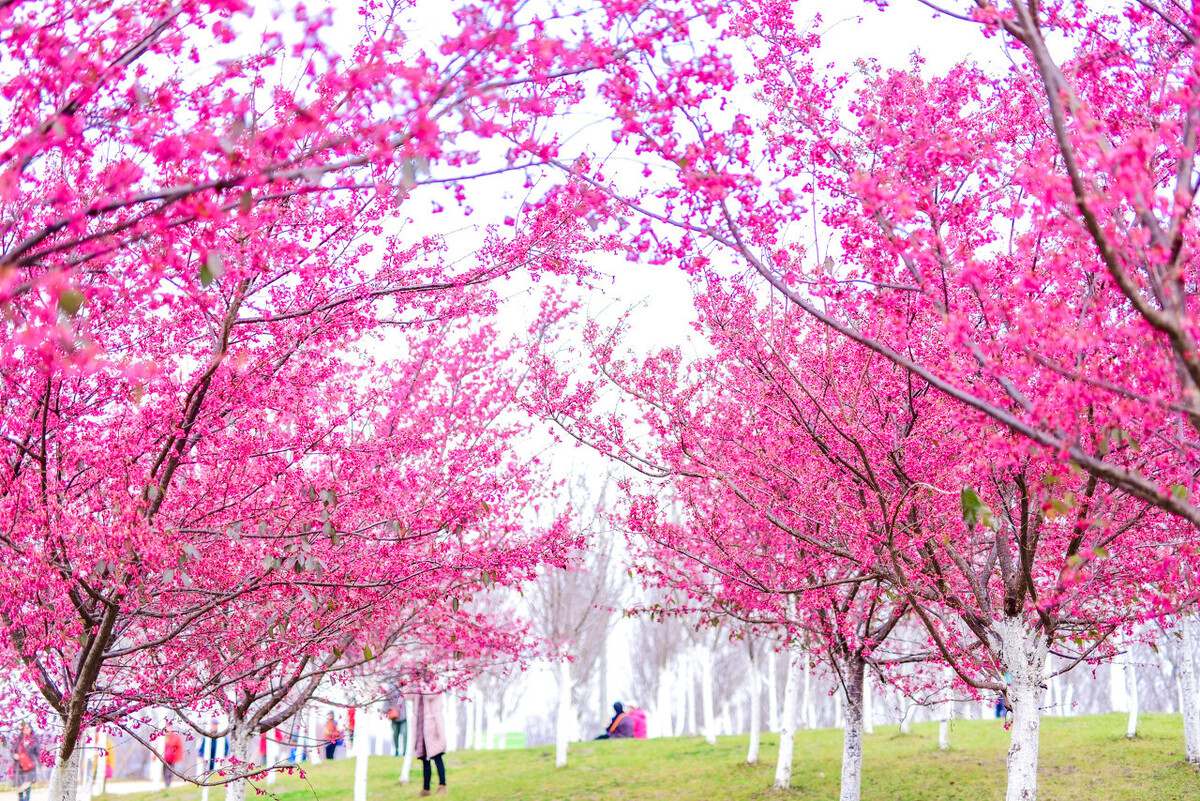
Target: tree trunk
{"type": "Point", "coordinates": [362, 755]}
{"type": "Point", "coordinates": [787, 732]}
{"type": "Point", "coordinates": [1187, 688]}
{"type": "Point", "coordinates": [410, 710]}
{"type": "Point", "coordinates": [274, 755]}
{"type": "Point", "coordinates": [755, 707]}
{"type": "Point", "coordinates": [772, 690]}
{"type": "Point", "coordinates": [706, 694]}
{"type": "Point", "coordinates": [946, 712]}
{"type": "Point", "coordinates": [1023, 655]}
{"type": "Point", "coordinates": [65, 778]}
{"type": "Point", "coordinates": [451, 723]}
{"type": "Point", "coordinates": [810, 704]}
{"type": "Point", "coordinates": [852, 732]}
{"type": "Point", "coordinates": [1131, 693]}
{"type": "Point", "coordinates": [480, 720]}
{"type": "Point", "coordinates": [1117, 696]}
{"type": "Point", "coordinates": [88, 784]}
{"type": "Point", "coordinates": [239, 757]}
{"type": "Point", "coordinates": [906, 717]}
{"type": "Point", "coordinates": [868, 706]}
{"type": "Point", "coordinates": [564, 714]}
{"type": "Point", "coordinates": [157, 718]}
{"type": "Point", "coordinates": [662, 712]}
{"type": "Point", "coordinates": [689, 683]}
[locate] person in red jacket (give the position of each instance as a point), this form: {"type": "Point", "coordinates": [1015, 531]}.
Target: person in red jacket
{"type": "Point", "coordinates": [172, 754]}
{"type": "Point", "coordinates": [25, 753]}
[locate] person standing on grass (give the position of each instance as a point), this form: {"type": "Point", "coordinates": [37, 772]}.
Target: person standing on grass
{"type": "Point", "coordinates": [430, 739]}
{"type": "Point", "coordinates": [398, 715]}
{"type": "Point", "coordinates": [333, 735]}
{"type": "Point", "coordinates": [172, 754]}
{"type": "Point", "coordinates": [25, 752]}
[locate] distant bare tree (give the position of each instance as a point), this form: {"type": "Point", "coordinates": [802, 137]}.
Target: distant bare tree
{"type": "Point", "coordinates": [574, 609]}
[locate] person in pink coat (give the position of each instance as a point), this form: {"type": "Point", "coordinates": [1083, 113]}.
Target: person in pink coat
{"type": "Point", "coordinates": [430, 732]}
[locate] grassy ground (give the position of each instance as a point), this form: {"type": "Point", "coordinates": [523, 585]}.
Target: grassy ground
{"type": "Point", "coordinates": [1081, 758]}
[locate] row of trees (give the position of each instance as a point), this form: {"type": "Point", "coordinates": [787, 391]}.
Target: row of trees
{"type": "Point", "coordinates": [968, 435]}
{"type": "Point", "coordinates": [828, 494]}
{"type": "Point", "coordinates": [255, 436]}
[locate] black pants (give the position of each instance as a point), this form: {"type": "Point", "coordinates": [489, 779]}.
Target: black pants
{"type": "Point", "coordinates": [437, 760]}
{"type": "Point", "coordinates": [329, 749]}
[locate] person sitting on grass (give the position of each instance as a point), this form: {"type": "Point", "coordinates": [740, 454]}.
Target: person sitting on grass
{"type": "Point", "coordinates": [620, 726]}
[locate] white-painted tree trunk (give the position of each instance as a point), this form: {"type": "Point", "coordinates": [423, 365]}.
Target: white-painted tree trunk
{"type": "Point", "coordinates": [274, 755]}
{"type": "Point", "coordinates": [451, 722]}
{"type": "Point", "coordinates": [706, 694]}
{"type": "Point", "coordinates": [1187, 687]}
{"type": "Point", "coordinates": [1117, 696]}
{"type": "Point", "coordinates": [64, 781]}
{"type": "Point", "coordinates": [868, 706]}
{"type": "Point", "coordinates": [906, 710]}
{"type": "Point", "coordinates": [239, 757]}
{"type": "Point", "coordinates": [787, 728]}
{"type": "Point", "coordinates": [1131, 692]}
{"type": "Point", "coordinates": [362, 756]}
{"type": "Point", "coordinates": [852, 732]}
{"type": "Point", "coordinates": [410, 710]}
{"type": "Point", "coordinates": [679, 729]}
{"type": "Point", "coordinates": [755, 708]}
{"type": "Point", "coordinates": [772, 690]}
{"type": "Point", "coordinates": [88, 784]}
{"type": "Point", "coordinates": [1023, 655]}
{"type": "Point", "coordinates": [662, 722]}
{"type": "Point", "coordinates": [316, 753]}
{"type": "Point", "coordinates": [479, 714]}
{"type": "Point", "coordinates": [689, 682]}
{"type": "Point", "coordinates": [156, 765]}
{"type": "Point", "coordinates": [561, 726]}
{"type": "Point", "coordinates": [946, 710]}
{"type": "Point", "coordinates": [810, 704]}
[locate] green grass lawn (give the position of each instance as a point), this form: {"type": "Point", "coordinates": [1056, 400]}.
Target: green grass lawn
{"type": "Point", "coordinates": [1082, 758]}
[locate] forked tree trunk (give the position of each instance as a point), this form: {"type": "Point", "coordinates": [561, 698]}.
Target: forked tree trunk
{"type": "Point", "coordinates": [1023, 655]}
{"type": "Point", "coordinates": [906, 711]}
{"type": "Point", "coordinates": [1187, 688]}
{"type": "Point", "coordinates": [852, 732]}
{"type": "Point", "coordinates": [787, 729]}
{"type": "Point", "coordinates": [755, 708]}
{"type": "Point", "coordinates": [564, 714]}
